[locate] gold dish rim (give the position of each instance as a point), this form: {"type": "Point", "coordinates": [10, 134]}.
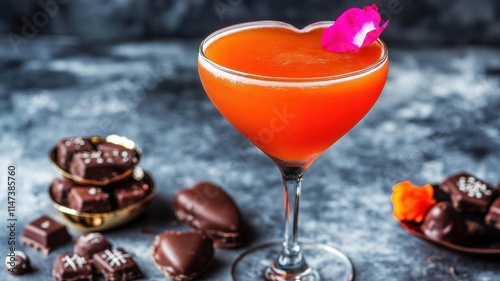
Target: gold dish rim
{"type": "Point", "coordinates": [73, 212]}
{"type": "Point", "coordinates": [115, 139]}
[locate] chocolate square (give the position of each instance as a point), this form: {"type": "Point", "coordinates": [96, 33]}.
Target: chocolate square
{"type": "Point", "coordinates": [69, 146]}
{"type": "Point", "coordinates": [122, 158]}
{"type": "Point", "coordinates": [91, 165]}
{"type": "Point", "coordinates": [493, 216]}
{"type": "Point", "coordinates": [45, 234]}
{"type": "Point", "coordinates": [116, 264]}
{"type": "Point", "coordinates": [89, 200]}
{"type": "Point", "coordinates": [72, 267]}
{"type": "Point", "coordinates": [468, 193]}
{"type": "Point", "coordinates": [60, 189]}
{"type": "Point", "coordinates": [89, 244]}
{"type": "Point", "coordinates": [129, 192]}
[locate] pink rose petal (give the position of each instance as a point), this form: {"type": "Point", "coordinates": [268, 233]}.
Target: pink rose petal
{"type": "Point", "coordinates": [355, 28]}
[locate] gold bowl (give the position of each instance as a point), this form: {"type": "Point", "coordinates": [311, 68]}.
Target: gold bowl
{"type": "Point", "coordinates": [95, 140]}
{"type": "Point", "coordinates": [89, 222]}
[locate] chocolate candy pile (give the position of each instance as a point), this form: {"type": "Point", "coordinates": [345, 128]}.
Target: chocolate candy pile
{"type": "Point", "coordinates": [473, 204]}
{"type": "Point", "coordinates": [181, 255]}
{"type": "Point", "coordinates": [216, 221]}
{"type": "Point", "coordinates": [89, 160]}
{"type": "Point", "coordinates": [94, 161]}
{"type": "Point", "coordinates": [98, 199]}
{"type": "Point", "coordinates": [92, 254]}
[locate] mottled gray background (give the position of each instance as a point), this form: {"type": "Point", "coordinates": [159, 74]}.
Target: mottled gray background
{"type": "Point", "coordinates": [419, 22]}
{"type": "Point", "coordinates": [129, 68]}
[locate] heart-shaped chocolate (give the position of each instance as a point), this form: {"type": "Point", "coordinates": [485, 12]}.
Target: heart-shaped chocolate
{"type": "Point", "coordinates": [208, 208]}
{"type": "Point", "coordinates": [182, 255]}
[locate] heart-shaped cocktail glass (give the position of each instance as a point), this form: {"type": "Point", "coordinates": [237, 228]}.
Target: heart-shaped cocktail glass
{"type": "Point", "coordinates": [292, 99]}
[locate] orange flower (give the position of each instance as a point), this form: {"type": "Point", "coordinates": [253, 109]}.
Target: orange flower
{"type": "Point", "coordinates": [411, 202]}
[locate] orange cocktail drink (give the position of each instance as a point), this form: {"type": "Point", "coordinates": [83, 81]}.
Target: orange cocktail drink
{"type": "Point", "coordinates": [284, 92]}
{"type": "Point", "coordinates": [292, 99]}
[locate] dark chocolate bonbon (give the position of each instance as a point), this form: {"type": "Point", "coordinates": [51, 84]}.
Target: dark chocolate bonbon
{"type": "Point", "coordinates": [60, 189]}
{"type": "Point", "coordinates": [67, 147]}
{"type": "Point", "coordinates": [130, 192]}
{"type": "Point", "coordinates": [90, 243]}
{"type": "Point", "coordinates": [493, 216]}
{"type": "Point", "coordinates": [182, 255]}
{"type": "Point", "coordinates": [208, 208]}
{"type": "Point", "coordinates": [468, 193]}
{"type": "Point", "coordinates": [89, 200]}
{"type": "Point", "coordinates": [17, 263]}
{"type": "Point", "coordinates": [92, 165]}
{"type": "Point", "coordinates": [443, 222]}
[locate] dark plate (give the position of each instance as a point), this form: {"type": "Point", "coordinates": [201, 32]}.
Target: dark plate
{"type": "Point", "coordinates": [485, 242]}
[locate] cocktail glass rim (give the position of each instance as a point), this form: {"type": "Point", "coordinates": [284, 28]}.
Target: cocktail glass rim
{"type": "Point", "coordinates": [280, 79]}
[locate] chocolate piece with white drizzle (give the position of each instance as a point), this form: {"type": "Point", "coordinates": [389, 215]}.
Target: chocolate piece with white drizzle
{"type": "Point", "coordinates": [72, 267]}
{"type": "Point", "coordinates": [116, 265]}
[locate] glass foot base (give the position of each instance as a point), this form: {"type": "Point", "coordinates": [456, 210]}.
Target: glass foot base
{"type": "Point", "coordinates": [327, 264]}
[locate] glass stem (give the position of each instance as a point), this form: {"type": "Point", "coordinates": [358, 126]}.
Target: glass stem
{"type": "Point", "coordinates": [290, 261]}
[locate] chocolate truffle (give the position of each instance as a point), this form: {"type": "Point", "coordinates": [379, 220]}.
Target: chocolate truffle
{"type": "Point", "coordinates": [69, 146]}
{"type": "Point", "coordinates": [122, 158]}
{"type": "Point", "coordinates": [72, 267]}
{"type": "Point", "coordinates": [493, 216]}
{"type": "Point", "coordinates": [117, 265]}
{"type": "Point", "coordinates": [182, 255]}
{"type": "Point", "coordinates": [89, 200]}
{"type": "Point", "coordinates": [208, 208]}
{"type": "Point", "coordinates": [129, 192]}
{"type": "Point", "coordinates": [17, 263]}
{"type": "Point", "coordinates": [468, 193]}
{"type": "Point", "coordinates": [89, 244]}
{"type": "Point", "coordinates": [45, 234]}
{"type": "Point", "coordinates": [91, 165]}
{"type": "Point", "coordinates": [443, 222]}
{"type": "Point", "coordinates": [60, 189]}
